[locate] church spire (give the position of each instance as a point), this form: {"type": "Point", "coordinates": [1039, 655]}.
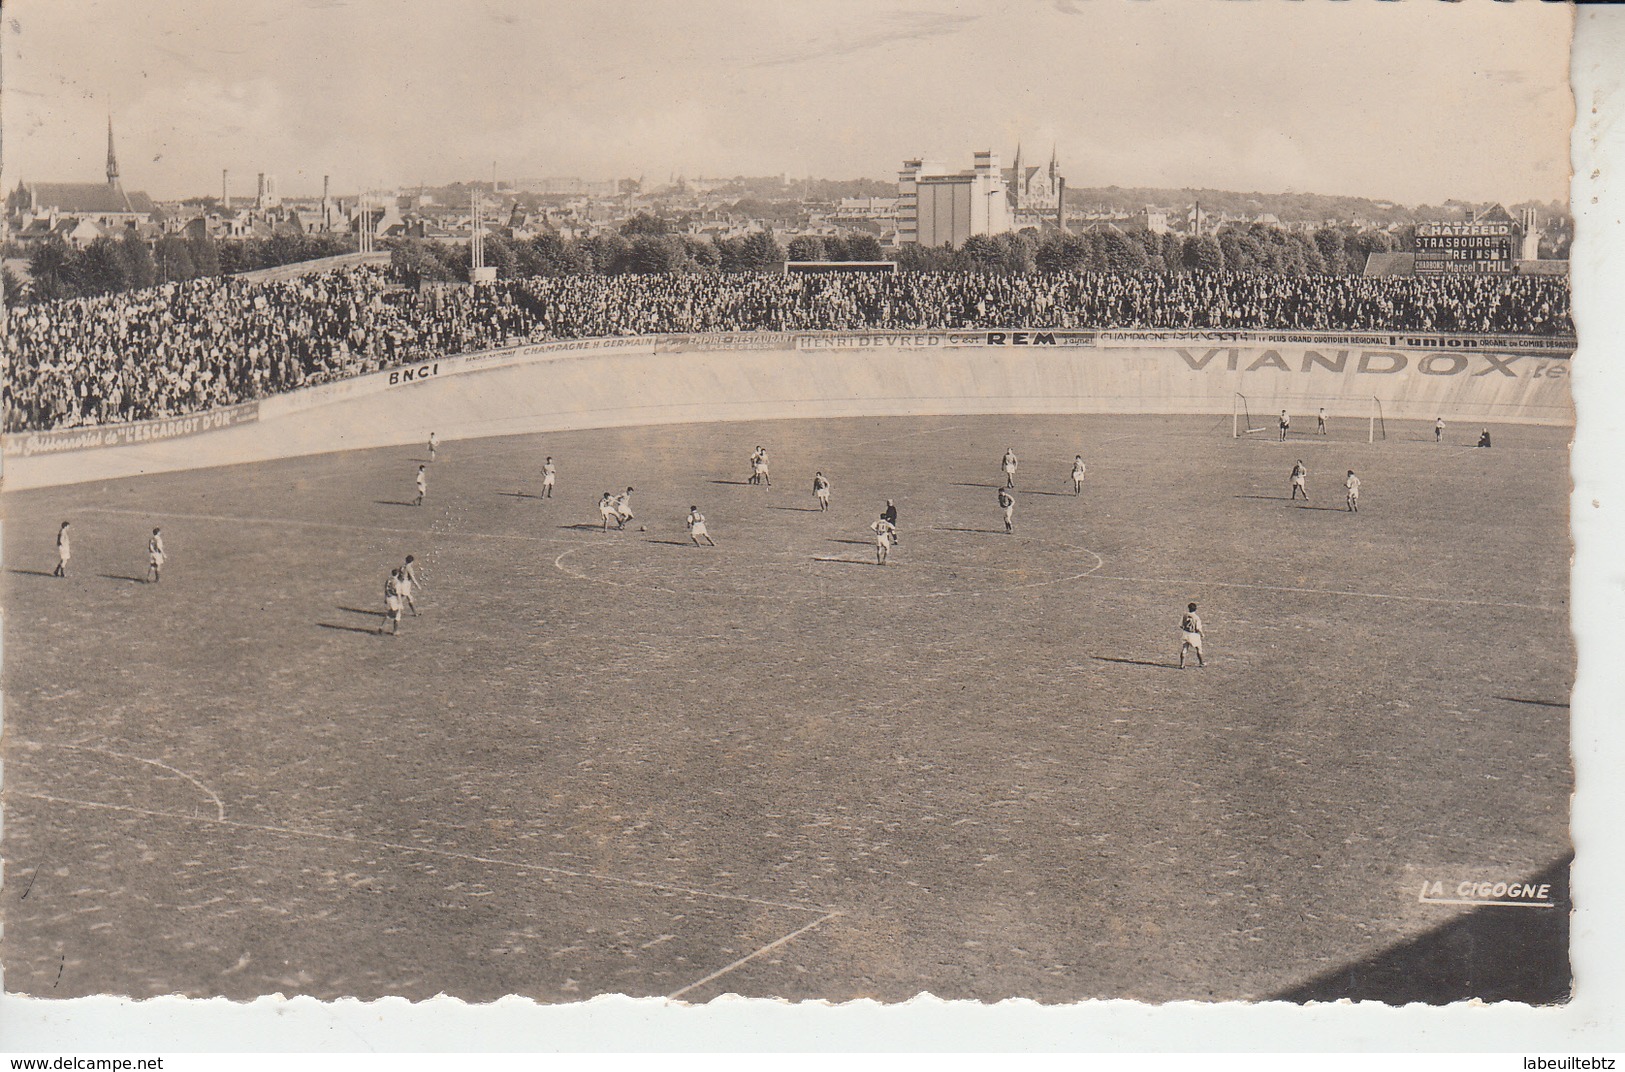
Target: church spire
{"type": "Point", "coordinates": [112, 159]}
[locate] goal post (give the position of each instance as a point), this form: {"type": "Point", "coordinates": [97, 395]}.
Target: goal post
{"type": "Point", "coordinates": [1379, 428]}
{"type": "Point", "coordinates": [1241, 418]}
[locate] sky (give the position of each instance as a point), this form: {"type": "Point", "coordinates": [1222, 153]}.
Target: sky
{"type": "Point", "coordinates": [1414, 101]}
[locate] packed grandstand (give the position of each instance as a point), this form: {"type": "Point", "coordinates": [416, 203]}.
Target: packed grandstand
{"type": "Point", "coordinates": [185, 347]}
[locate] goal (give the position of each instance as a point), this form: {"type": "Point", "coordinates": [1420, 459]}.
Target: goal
{"type": "Point", "coordinates": [1241, 418]}
{"type": "Point", "coordinates": [1379, 430]}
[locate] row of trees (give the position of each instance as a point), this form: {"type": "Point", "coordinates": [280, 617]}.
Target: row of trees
{"type": "Point", "coordinates": [647, 245]}
{"type": "Point", "coordinates": [421, 260]}
{"type": "Point", "coordinates": [1255, 248]}
{"type": "Point", "coordinates": [645, 249]}
{"type": "Point", "coordinates": [57, 270]}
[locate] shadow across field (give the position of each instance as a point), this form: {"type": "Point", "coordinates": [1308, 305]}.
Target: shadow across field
{"type": "Point", "coordinates": [848, 561]}
{"type": "Point", "coordinates": [32, 572]}
{"type": "Point", "coordinates": [122, 577]}
{"type": "Point", "coordinates": [961, 484]}
{"type": "Point", "coordinates": [358, 610]}
{"type": "Point", "coordinates": [798, 509]}
{"type": "Point", "coordinates": [989, 532]}
{"type": "Point", "coordinates": [391, 502]}
{"type": "Point", "coordinates": [1493, 953]}
{"type": "Point", "coordinates": [368, 630]}
{"type": "Point", "coordinates": [735, 483]}
{"type": "Point", "coordinates": [1137, 662]}
{"type": "Point", "coordinates": [1534, 703]}
{"type": "Point", "coordinates": [521, 495]}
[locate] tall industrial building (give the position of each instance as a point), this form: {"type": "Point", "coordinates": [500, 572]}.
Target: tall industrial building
{"type": "Point", "coordinates": [936, 207]}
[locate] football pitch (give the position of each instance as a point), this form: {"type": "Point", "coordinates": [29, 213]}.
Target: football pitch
{"type": "Point", "coordinates": [614, 762]}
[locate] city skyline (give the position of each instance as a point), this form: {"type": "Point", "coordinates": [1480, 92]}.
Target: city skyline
{"type": "Point", "coordinates": [1183, 93]}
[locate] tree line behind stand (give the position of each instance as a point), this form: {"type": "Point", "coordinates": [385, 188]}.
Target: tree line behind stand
{"type": "Point", "coordinates": [108, 265]}
{"type": "Point", "coordinates": [648, 245]}
{"type": "Point", "coordinates": [636, 250]}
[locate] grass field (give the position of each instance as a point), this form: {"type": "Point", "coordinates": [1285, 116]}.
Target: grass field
{"type": "Point", "coordinates": [618, 763]}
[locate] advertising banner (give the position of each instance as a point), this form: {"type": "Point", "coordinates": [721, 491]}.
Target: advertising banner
{"type": "Point", "coordinates": [27, 444]}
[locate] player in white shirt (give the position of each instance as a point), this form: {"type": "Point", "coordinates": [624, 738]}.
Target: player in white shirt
{"type": "Point", "coordinates": [64, 551]}
{"type": "Point", "coordinates": [404, 587]}
{"type": "Point", "coordinates": [696, 527]}
{"type": "Point", "coordinates": [1007, 503]}
{"type": "Point", "coordinates": [1353, 486]}
{"type": "Point", "coordinates": [1320, 421]}
{"type": "Point", "coordinates": [155, 556]}
{"type": "Point", "coordinates": [758, 469]}
{"type": "Point", "coordinates": [1190, 636]}
{"type": "Point", "coordinates": [623, 509]}
{"type": "Point", "coordinates": [606, 510]}
{"type": "Point", "coordinates": [409, 583]}
{"type": "Point", "coordinates": [1438, 429]}
{"type": "Point", "coordinates": [821, 490]}
{"type": "Point", "coordinates": [549, 474]}
{"type": "Point", "coordinates": [1079, 471]}
{"type": "Point", "coordinates": [1300, 477]}
{"type": "Point", "coordinates": [884, 532]}
{"type": "Point", "coordinates": [1009, 466]}
{"type": "Point", "coordinates": [1285, 423]}
{"type": "Point", "coordinates": [432, 446]}
{"type": "Point", "coordinates": [423, 485]}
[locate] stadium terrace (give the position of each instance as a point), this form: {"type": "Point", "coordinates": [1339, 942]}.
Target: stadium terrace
{"type": "Point", "coordinates": [182, 348]}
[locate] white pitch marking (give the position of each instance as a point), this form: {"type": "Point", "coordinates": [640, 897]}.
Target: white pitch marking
{"type": "Point", "coordinates": [781, 597]}
{"type": "Point", "coordinates": [324, 525]}
{"type": "Point", "coordinates": [1322, 591]}
{"type": "Point", "coordinates": [911, 435]}
{"type": "Point", "coordinates": [720, 972]}
{"type": "Point", "coordinates": [220, 809]}
{"type": "Point", "coordinates": [558, 563]}
{"type": "Point", "coordinates": [350, 839]}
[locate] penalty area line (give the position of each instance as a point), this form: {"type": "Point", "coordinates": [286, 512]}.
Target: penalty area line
{"type": "Point", "coordinates": [219, 806]}
{"type": "Point", "coordinates": [748, 957]}
{"type": "Point", "coordinates": [350, 839]}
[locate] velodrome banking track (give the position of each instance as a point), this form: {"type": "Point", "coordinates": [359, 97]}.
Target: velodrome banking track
{"type": "Point", "coordinates": [1044, 809]}
{"type": "Point", "coordinates": [607, 383]}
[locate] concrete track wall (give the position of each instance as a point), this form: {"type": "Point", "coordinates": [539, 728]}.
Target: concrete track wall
{"type": "Point", "coordinates": [613, 383]}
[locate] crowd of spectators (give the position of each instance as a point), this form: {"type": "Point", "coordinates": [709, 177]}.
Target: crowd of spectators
{"type": "Point", "coordinates": [185, 347]}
